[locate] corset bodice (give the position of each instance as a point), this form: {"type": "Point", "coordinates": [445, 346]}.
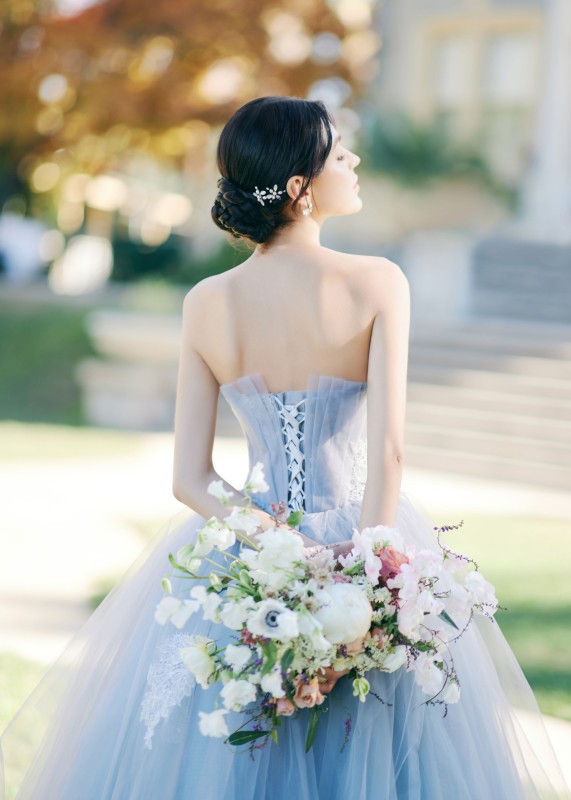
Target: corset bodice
{"type": "Point", "coordinates": [312, 442]}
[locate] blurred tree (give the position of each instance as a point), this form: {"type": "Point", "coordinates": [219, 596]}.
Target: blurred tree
{"type": "Point", "coordinates": [77, 92]}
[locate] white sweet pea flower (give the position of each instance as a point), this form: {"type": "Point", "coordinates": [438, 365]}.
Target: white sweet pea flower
{"type": "Point", "coordinates": [426, 674]}
{"type": "Point", "coordinates": [198, 660]}
{"type": "Point", "coordinates": [241, 519]}
{"type": "Point", "coordinates": [274, 620]}
{"type": "Point", "coordinates": [451, 693]}
{"type": "Point", "coordinates": [395, 660]}
{"type": "Point", "coordinates": [176, 611]}
{"type": "Point", "coordinates": [346, 613]}
{"type": "Point", "coordinates": [256, 482]}
{"type": "Point", "coordinates": [272, 683]}
{"type": "Point", "coordinates": [409, 619]}
{"type": "Point", "coordinates": [216, 489]}
{"type": "Point", "coordinates": [214, 535]}
{"type": "Point", "coordinates": [237, 656]}
{"type": "Point", "coordinates": [210, 602]}
{"type": "Point", "coordinates": [428, 603]}
{"type": "Point", "coordinates": [480, 590]}
{"type": "Point", "coordinates": [237, 693]}
{"type": "Point", "coordinates": [235, 613]}
{"type": "Point", "coordinates": [310, 626]}
{"type": "Point", "coordinates": [213, 724]}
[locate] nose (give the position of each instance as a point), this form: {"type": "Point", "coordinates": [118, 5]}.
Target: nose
{"type": "Point", "coordinates": [356, 160]}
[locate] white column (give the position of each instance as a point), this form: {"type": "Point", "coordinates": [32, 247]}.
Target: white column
{"type": "Point", "coordinates": [546, 197]}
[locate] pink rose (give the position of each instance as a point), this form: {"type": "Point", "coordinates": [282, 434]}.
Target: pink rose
{"type": "Point", "coordinates": [392, 561]}
{"type": "Point", "coordinates": [284, 707]}
{"type": "Point", "coordinates": [338, 577]}
{"type": "Point", "coordinates": [307, 695]}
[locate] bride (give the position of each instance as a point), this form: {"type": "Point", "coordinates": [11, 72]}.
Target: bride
{"type": "Point", "coordinates": [309, 346]}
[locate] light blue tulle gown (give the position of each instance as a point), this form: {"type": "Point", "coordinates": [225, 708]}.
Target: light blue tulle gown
{"type": "Point", "coordinates": [120, 712]}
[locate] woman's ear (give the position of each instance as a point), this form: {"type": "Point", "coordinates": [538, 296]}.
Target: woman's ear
{"type": "Point", "coordinates": [293, 186]}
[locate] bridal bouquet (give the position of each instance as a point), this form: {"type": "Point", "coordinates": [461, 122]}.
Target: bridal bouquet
{"type": "Point", "coordinates": [288, 616]}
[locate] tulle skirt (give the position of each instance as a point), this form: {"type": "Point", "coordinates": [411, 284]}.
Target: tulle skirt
{"type": "Point", "coordinates": [116, 718]}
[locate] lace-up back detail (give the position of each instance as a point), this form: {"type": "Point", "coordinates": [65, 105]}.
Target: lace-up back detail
{"type": "Point", "coordinates": [292, 420]}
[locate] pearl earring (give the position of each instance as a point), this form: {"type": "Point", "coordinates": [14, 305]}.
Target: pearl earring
{"type": "Point", "coordinates": [307, 211]}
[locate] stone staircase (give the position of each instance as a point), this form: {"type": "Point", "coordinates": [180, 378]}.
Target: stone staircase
{"type": "Point", "coordinates": [492, 399]}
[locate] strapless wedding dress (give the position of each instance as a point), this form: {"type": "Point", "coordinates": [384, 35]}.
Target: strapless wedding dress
{"type": "Point", "coordinates": [119, 712]}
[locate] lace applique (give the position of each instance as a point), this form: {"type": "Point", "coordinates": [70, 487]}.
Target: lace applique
{"type": "Point", "coordinates": [358, 477]}
{"type": "Point", "coordinates": [168, 683]}
{"type": "Point", "coordinates": [292, 418]}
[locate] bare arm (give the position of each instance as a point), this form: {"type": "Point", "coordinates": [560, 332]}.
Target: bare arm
{"type": "Point", "coordinates": [195, 419]}
{"type": "Point", "coordinates": [386, 398]}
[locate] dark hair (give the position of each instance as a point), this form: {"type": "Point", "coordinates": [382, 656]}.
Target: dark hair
{"type": "Point", "coordinates": [264, 144]}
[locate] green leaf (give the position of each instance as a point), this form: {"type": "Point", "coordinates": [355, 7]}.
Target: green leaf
{"type": "Point", "coordinates": [270, 651]}
{"type": "Point", "coordinates": [275, 735]}
{"type": "Point", "coordinates": [447, 618]}
{"type": "Point", "coordinates": [243, 737]}
{"type": "Point", "coordinates": [295, 518]}
{"type": "Point", "coordinates": [312, 728]}
{"type": "Point", "coordinates": [287, 660]}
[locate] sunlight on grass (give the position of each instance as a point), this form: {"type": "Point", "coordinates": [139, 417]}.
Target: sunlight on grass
{"type": "Point", "coordinates": [38, 441]}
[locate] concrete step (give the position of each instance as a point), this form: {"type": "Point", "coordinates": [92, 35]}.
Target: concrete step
{"type": "Point", "coordinates": [492, 421]}
{"type": "Point", "coordinates": [492, 400]}
{"type": "Point", "coordinates": [490, 380]}
{"type": "Point", "coordinates": [472, 443]}
{"type": "Point", "coordinates": [459, 358]}
{"type": "Point", "coordinates": [492, 466]}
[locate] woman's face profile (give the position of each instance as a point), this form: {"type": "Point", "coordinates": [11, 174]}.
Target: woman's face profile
{"type": "Point", "coordinates": [335, 190]}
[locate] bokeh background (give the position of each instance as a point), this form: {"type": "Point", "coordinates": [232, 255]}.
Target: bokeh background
{"type": "Point", "coordinates": [109, 116]}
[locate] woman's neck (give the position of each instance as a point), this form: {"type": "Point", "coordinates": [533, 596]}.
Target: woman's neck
{"type": "Point", "coordinates": [301, 234]}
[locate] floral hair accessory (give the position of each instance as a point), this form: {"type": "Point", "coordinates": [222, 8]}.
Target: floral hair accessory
{"type": "Point", "coordinates": [269, 194]}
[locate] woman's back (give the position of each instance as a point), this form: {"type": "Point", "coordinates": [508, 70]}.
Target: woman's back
{"type": "Point", "coordinates": [290, 313]}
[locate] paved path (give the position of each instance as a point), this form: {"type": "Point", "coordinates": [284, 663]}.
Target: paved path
{"type": "Point", "coordinates": [67, 524]}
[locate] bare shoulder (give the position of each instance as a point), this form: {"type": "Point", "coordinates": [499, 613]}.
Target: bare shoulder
{"type": "Point", "coordinates": [378, 279]}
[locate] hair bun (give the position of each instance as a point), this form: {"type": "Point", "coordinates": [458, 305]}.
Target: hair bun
{"type": "Point", "coordinates": [239, 213]}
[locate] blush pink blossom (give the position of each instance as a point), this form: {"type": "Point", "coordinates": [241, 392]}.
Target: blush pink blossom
{"type": "Point", "coordinates": [392, 560]}
{"type": "Point", "coordinates": [307, 695]}
{"type": "Point", "coordinates": [284, 707]}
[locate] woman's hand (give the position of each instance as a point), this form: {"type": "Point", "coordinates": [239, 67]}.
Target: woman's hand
{"type": "Point", "coordinates": [327, 677]}
{"type": "Point", "coordinates": [342, 548]}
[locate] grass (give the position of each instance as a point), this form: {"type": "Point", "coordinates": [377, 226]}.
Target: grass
{"type": "Point", "coordinates": [527, 559]}
{"type": "Point", "coordinates": [40, 345]}
{"type": "Point", "coordinates": [21, 441]}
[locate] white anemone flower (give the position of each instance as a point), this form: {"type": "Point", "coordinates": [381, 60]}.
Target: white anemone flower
{"type": "Point", "coordinates": [274, 620]}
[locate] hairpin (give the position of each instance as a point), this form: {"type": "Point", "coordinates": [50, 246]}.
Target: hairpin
{"type": "Point", "coordinates": [269, 194]}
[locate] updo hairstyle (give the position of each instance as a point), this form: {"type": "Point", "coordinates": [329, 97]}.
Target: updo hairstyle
{"type": "Point", "coordinates": [264, 144]}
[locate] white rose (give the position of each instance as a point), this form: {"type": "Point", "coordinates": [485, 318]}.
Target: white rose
{"type": "Point", "coordinates": [213, 724]}
{"type": "Point", "coordinates": [395, 660]}
{"type": "Point", "coordinates": [216, 489]}
{"type": "Point", "coordinates": [175, 610]}
{"type": "Point", "coordinates": [346, 613]}
{"type": "Point", "coordinates": [451, 693]}
{"type": "Point", "coordinates": [241, 519]}
{"type": "Point", "coordinates": [198, 660]}
{"type": "Point", "coordinates": [272, 683]}
{"type": "Point", "coordinates": [210, 602]}
{"type": "Point", "coordinates": [213, 535]}
{"type": "Point", "coordinates": [274, 620]}
{"type": "Point", "coordinates": [237, 693]}
{"type": "Point", "coordinates": [256, 482]}
{"type": "Point", "coordinates": [237, 656]}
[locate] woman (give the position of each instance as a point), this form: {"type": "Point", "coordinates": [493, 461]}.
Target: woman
{"type": "Point", "coordinates": [309, 347]}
